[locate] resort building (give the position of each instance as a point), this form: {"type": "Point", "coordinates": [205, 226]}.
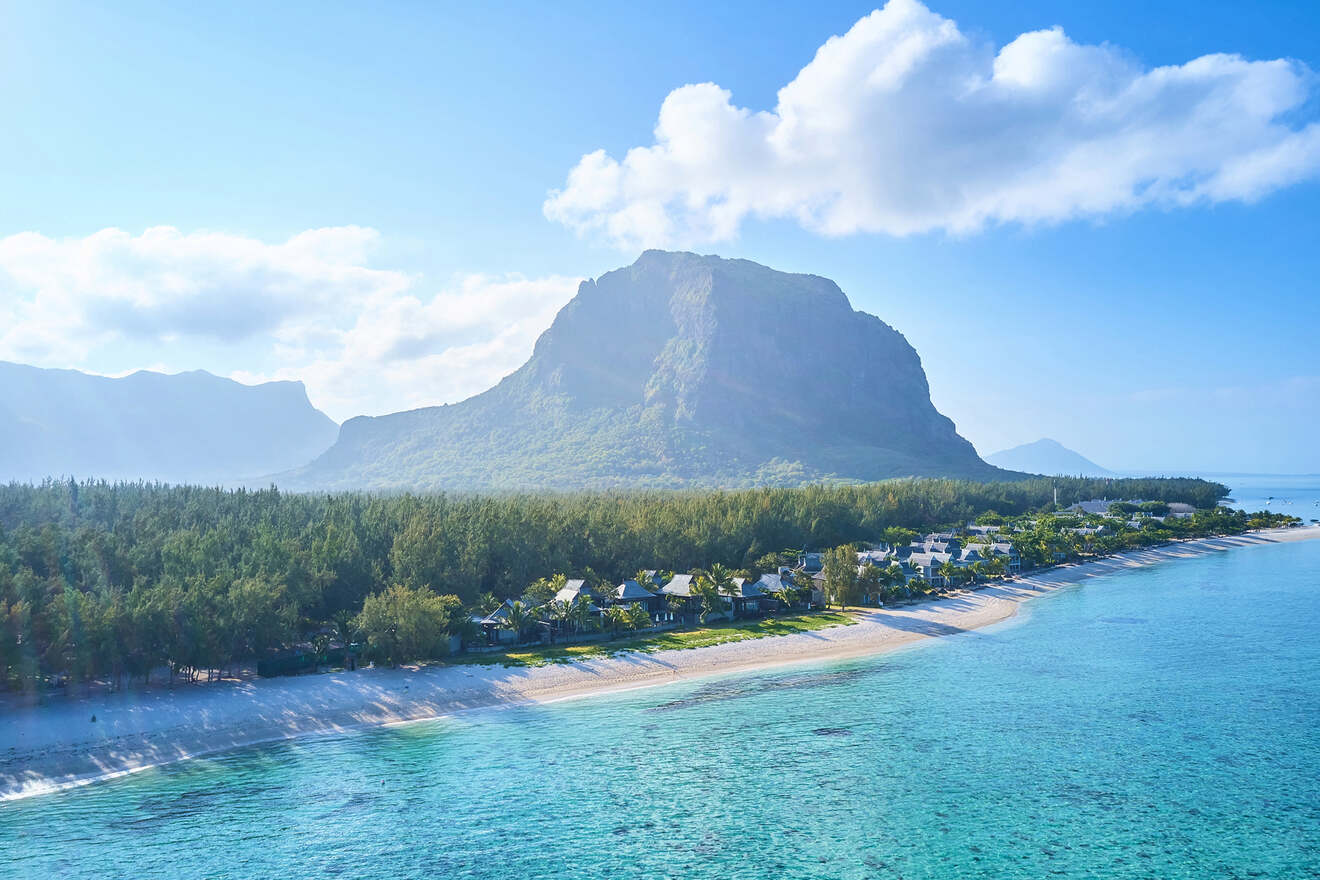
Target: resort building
{"type": "Point", "coordinates": [679, 591]}
{"type": "Point", "coordinates": [748, 598]}
{"type": "Point", "coordinates": [572, 589]}
{"type": "Point", "coordinates": [630, 593]}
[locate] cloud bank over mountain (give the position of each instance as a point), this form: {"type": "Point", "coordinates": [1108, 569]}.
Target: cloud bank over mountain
{"type": "Point", "coordinates": [311, 308]}
{"type": "Point", "coordinates": [906, 125]}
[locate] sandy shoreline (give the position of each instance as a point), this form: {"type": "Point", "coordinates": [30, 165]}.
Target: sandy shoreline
{"type": "Point", "coordinates": [49, 747]}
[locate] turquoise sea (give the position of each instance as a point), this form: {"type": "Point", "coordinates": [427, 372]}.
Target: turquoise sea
{"type": "Point", "coordinates": [1293, 494]}
{"type": "Point", "coordinates": [1161, 723]}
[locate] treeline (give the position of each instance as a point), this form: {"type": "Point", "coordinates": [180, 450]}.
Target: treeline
{"type": "Point", "coordinates": [104, 581]}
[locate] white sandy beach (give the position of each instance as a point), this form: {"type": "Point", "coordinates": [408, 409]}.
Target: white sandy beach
{"type": "Point", "coordinates": [57, 745]}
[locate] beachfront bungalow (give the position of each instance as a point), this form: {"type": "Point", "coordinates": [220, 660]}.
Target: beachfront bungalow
{"type": "Point", "coordinates": [495, 624]}
{"type": "Point", "coordinates": [568, 594]}
{"type": "Point", "coordinates": [1004, 548]}
{"type": "Point", "coordinates": [573, 589]}
{"type": "Point", "coordinates": [748, 598]}
{"type": "Point", "coordinates": [772, 584]}
{"type": "Point", "coordinates": [817, 583]}
{"type": "Point", "coordinates": [679, 591]}
{"type": "Point", "coordinates": [926, 565]}
{"type": "Point", "coordinates": [491, 632]}
{"type": "Point", "coordinates": [630, 593]}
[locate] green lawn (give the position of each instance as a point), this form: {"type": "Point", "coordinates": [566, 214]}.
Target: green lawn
{"type": "Point", "coordinates": [715, 634]}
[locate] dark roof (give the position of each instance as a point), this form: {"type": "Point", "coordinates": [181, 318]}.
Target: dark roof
{"type": "Point", "coordinates": [631, 590]}
{"type": "Point", "coordinates": [572, 589]}
{"type": "Point", "coordinates": [501, 614]}
{"type": "Point", "coordinates": [679, 585]}
{"type": "Point", "coordinates": [747, 589]}
{"type": "Point", "coordinates": [930, 560]}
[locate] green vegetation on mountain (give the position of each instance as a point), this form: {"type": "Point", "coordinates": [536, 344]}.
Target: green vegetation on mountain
{"type": "Point", "coordinates": [677, 371]}
{"type": "Point", "coordinates": [184, 428]}
{"type": "Point", "coordinates": [105, 581]}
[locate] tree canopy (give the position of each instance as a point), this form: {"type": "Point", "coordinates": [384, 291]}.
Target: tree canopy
{"type": "Point", "coordinates": [107, 580]}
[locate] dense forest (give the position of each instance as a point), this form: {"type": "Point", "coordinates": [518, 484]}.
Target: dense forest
{"type": "Point", "coordinates": [105, 581]}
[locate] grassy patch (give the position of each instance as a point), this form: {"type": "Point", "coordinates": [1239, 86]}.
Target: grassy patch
{"type": "Point", "coordinates": [715, 634]}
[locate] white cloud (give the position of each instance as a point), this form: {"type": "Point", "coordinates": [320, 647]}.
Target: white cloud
{"type": "Point", "coordinates": [365, 340]}
{"type": "Point", "coordinates": [404, 352]}
{"type": "Point", "coordinates": [905, 125]}
{"type": "Point", "coordinates": [73, 293]}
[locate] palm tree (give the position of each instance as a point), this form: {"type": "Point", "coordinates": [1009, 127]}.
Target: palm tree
{"type": "Point", "coordinates": [518, 618]}
{"type": "Point", "coordinates": [580, 613]}
{"type": "Point", "coordinates": [639, 617]}
{"type": "Point", "coordinates": [871, 580]}
{"type": "Point", "coordinates": [949, 571]}
{"type": "Point", "coordinates": [345, 630]}
{"type": "Point", "coordinates": [894, 579]}
{"type": "Point", "coordinates": [721, 578]}
{"type": "Point", "coordinates": [709, 595]}
{"type": "Point", "coordinates": [786, 594]}
{"type": "Point", "coordinates": [321, 650]}
{"type": "Point", "coordinates": [558, 612]}
{"type": "Point", "coordinates": [615, 618]}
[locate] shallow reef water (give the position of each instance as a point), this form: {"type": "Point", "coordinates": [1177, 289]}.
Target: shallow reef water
{"type": "Point", "coordinates": [1159, 723]}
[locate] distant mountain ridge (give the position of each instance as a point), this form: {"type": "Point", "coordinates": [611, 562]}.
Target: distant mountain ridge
{"type": "Point", "coordinates": [1049, 457]}
{"type": "Point", "coordinates": [182, 428]}
{"type": "Point", "coordinates": [679, 370]}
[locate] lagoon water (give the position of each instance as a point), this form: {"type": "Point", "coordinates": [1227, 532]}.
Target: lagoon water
{"type": "Point", "coordinates": [1161, 723]}
{"type": "Point", "coordinates": [1294, 494]}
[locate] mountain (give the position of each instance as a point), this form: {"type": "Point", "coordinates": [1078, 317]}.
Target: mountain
{"type": "Point", "coordinates": [1047, 456]}
{"type": "Point", "coordinates": [190, 427]}
{"type": "Point", "coordinates": [679, 370]}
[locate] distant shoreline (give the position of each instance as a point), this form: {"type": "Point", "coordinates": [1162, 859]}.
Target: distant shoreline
{"type": "Point", "coordinates": [47, 748]}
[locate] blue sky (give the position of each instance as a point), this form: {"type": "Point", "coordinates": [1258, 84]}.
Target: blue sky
{"type": "Point", "coordinates": [363, 194]}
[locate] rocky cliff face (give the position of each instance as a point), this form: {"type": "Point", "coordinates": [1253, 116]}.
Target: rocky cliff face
{"type": "Point", "coordinates": [679, 370]}
{"type": "Point", "coordinates": [190, 427]}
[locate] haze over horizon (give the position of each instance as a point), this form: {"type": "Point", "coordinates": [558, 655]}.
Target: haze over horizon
{"type": "Point", "coordinates": [1141, 291]}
